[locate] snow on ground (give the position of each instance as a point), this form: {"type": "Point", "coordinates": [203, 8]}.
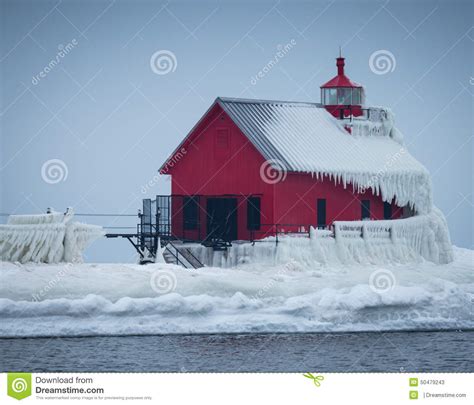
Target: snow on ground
{"type": "Point", "coordinates": [101, 299]}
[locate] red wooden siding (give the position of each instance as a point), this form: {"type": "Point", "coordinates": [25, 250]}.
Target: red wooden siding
{"type": "Point", "coordinates": [218, 160]}
{"type": "Point", "coordinates": [295, 201]}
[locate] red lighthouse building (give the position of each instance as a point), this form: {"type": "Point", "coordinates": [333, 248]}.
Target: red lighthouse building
{"type": "Point", "coordinates": [254, 168]}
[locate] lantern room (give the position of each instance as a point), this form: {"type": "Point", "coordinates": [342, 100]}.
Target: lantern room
{"type": "Point", "coordinates": [341, 96]}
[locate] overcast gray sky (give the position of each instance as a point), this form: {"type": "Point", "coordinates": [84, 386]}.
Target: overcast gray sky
{"type": "Point", "coordinates": [110, 120]}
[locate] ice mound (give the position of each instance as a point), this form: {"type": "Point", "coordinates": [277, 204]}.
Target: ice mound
{"type": "Point", "coordinates": [47, 238]}
{"type": "Point", "coordinates": [119, 299]}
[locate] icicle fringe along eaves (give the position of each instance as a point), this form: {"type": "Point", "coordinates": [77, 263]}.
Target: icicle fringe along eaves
{"type": "Point", "coordinates": [406, 188]}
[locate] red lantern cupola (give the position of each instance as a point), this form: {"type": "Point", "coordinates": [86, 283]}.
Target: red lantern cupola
{"type": "Point", "coordinates": [341, 96]}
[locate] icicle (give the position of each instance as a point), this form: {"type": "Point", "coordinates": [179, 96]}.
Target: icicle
{"type": "Point", "coordinates": [48, 238]}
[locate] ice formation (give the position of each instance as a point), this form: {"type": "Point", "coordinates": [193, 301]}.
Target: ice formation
{"type": "Point", "coordinates": [414, 239]}
{"type": "Point", "coordinates": [379, 122]}
{"type": "Point", "coordinates": [303, 137]}
{"type": "Point", "coordinates": [47, 238]}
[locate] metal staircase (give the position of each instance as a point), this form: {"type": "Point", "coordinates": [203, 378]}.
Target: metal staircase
{"type": "Point", "coordinates": [181, 256]}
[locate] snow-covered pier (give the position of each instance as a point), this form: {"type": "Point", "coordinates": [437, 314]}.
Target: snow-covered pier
{"type": "Point", "coordinates": [423, 237]}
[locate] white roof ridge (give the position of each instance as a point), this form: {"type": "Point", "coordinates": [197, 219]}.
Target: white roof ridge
{"type": "Point", "coordinates": [264, 101]}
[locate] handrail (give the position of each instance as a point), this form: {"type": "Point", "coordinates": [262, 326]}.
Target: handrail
{"type": "Point", "coordinates": [188, 251]}
{"type": "Point", "coordinates": [176, 256]}
{"type": "Point", "coordinates": [277, 230]}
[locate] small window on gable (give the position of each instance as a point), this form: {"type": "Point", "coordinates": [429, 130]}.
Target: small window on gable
{"type": "Point", "coordinates": [222, 138]}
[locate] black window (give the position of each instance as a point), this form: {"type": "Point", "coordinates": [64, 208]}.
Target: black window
{"type": "Point", "coordinates": [387, 210]}
{"type": "Point", "coordinates": [321, 212]}
{"type": "Point", "coordinates": [190, 210]}
{"type": "Point", "coordinates": [365, 209]}
{"type": "Point", "coordinates": [253, 213]}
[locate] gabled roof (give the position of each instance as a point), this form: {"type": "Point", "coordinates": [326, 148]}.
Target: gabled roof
{"type": "Point", "coordinates": [304, 137]}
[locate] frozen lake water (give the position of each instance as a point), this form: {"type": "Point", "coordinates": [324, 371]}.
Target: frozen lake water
{"type": "Point", "coordinates": [331, 352]}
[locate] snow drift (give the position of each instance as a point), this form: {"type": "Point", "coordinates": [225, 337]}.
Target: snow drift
{"type": "Point", "coordinates": [46, 238]}
{"type": "Point", "coordinates": [119, 299]}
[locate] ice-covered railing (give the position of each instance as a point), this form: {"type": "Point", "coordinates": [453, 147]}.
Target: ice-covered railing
{"type": "Point", "coordinates": [46, 238]}
{"type": "Point", "coordinates": [376, 121]}
{"type": "Point", "coordinates": [427, 235]}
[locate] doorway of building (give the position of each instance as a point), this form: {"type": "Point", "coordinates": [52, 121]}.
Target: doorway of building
{"type": "Point", "coordinates": [222, 218]}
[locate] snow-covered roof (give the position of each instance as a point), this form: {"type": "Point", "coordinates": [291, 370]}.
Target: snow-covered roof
{"type": "Point", "coordinates": [304, 137]}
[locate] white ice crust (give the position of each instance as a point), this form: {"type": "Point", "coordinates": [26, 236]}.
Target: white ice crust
{"type": "Point", "coordinates": [47, 238]}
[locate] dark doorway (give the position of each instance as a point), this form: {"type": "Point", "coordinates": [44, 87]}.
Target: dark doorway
{"type": "Point", "coordinates": [365, 209]}
{"type": "Point", "coordinates": [253, 213]}
{"type": "Point", "coordinates": [222, 218]}
{"type": "Point", "coordinates": [387, 210]}
{"type": "Point", "coordinates": [321, 213]}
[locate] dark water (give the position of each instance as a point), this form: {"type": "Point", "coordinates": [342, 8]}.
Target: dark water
{"type": "Point", "coordinates": [356, 352]}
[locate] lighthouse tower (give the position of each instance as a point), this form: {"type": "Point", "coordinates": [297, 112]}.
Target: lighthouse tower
{"type": "Point", "coordinates": [341, 96]}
